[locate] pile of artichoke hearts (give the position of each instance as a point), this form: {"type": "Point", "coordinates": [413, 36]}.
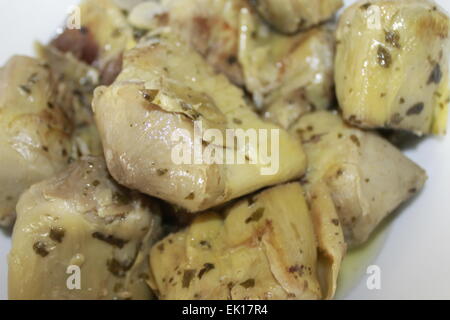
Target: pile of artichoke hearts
{"type": "Point", "coordinates": [89, 181]}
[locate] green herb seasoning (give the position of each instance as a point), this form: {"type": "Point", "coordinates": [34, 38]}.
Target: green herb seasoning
{"type": "Point", "coordinates": [415, 109]}
{"type": "Point", "coordinates": [384, 58]}
{"type": "Point", "coordinates": [206, 268]}
{"type": "Point", "coordinates": [187, 278]}
{"type": "Point", "coordinates": [393, 38]}
{"type": "Point", "coordinates": [40, 248]}
{"type": "Point", "coordinates": [256, 216]}
{"type": "Point", "coordinates": [57, 234]}
{"type": "Point", "coordinates": [250, 283]}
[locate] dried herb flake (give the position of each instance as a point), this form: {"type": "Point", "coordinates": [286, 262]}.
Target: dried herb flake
{"type": "Point", "coordinates": [255, 216]}
{"type": "Point", "coordinates": [436, 75]}
{"type": "Point", "coordinates": [57, 234]}
{"type": "Point", "coordinates": [162, 172]}
{"type": "Point", "coordinates": [415, 109]}
{"type": "Point", "coordinates": [250, 283]}
{"type": "Point", "coordinates": [40, 248]}
{"type": "Point", "coordinates": [191, 196]}
{"type": "Point", "coordinates": [206, 268]}
{"type": "Point", "coordinates": [384, 58]}
{"type": "Point", "coordinates": [355, 140]}
{"type": "Point", "coordinates": [188, 275]}
{"type": "Point", "coordinates": [110, 239]}
{"type": "Point", "coordinates": [393, 38]}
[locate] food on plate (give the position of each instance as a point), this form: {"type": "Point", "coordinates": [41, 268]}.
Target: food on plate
{"type": "Point", "coordinates": [212, 28]}
{"type": "Point", "coordinates": [287, 72]}
{"type": "Point", "coordinates": [290, 16]}
{"type": "Point", "coordinates": [35, 132]}
{"type": "Point", "coordinates": [103, 36]}
{"type": "Point", "coordinates": [366, 176]}
{"type": "Point", "coordinates": [177, 111]}
{"type": "Point", "coordinates": [263, 247]}
{"type": "Point", "coordinates": [303, 81]}
{"type": "Point", "coordinates": [392, 65]}
{"type": "Point", "coordinates": [129, 5]}
{"type": "Point", "coordinates": [280, 71]}
{"type": "Point", "coordinates": [75, 85]}
{"type": "Point", "coordinates": [260, 134]}
{"type": "Point", "coordinates": [331, 244]}
{"type": "Point", "coordinates": [82, 223]}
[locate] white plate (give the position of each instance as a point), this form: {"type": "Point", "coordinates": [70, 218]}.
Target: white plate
{"type": "Point", "coordinates": [413, 254]}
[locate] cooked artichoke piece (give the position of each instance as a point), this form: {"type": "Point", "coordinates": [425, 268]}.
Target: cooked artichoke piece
{"type": "Point", "coordinates": [280, 71]}
{"type": "Point", "coordinates": [288, 76]}
{"type": "Point", "coordinates": [212, 28]}
{"type": "Point", "coordinates": [81, 218]}
{"type": "Point", "coordinates": [366, 176]}
{"type": "Point", "coordinates": [104, 35]}
{"type": "Point", "coordinates": [129, 5]}
{"type": "Point", "coordinates": [263, 248]}
{"type": "Point", "coordinates": [148, 15]}
{"type": "Point", "coordinates": [392, 65]}
{"type": "Point", "coordinates": [109, 27]}
{"type": "Point", "coordinates": [165, 92]}
{"type": "Point", "coordinates": [330, 238]}
{"type": "Point", "coordinates": [35, 133]}
{"type": "Point", "coordinates": [290, 16]}
{"type": "Point", "coordinates": [74, 92]}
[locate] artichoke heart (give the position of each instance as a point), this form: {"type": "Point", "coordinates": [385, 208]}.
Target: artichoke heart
{"type": "Point", "coordinates": [81, 236]}
{"type": "Point", "coordinates": [212, 28]}
{"type": "Point", "coordinates": [391, 67]}
{"type": "Point", "coordinates": [180, 115]}
{"type": "Point", "coordinates": [263, 247]}
{"type": "Point", "coordinates": [74, 93]}
{"type": "Point", "coordinates": [330, 238]}
{"type": "Point", "coordinates": [290, 16]}
{"type": "Point", "coordinates": [101, 39]}
{"type": "Point", "coordinates": [35, 132]}
{"type": "Point", "coordinates": [365, 175]}
{"type": "Point", "coordinates": [283, 73]}
{"type": "Point", "coordinates": [286, 74]}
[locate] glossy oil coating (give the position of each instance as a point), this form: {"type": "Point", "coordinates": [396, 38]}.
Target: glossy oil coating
{"type": "Point", "coordinates": [165, 88]}
{"type": "Point", "coordinates": [283, 73]}
{"type": "Point", "coordinates": [263, 247]}
{"type": "Point", "coordinates": [290, 16]}
{"type": "Point", "coordinates": [366, 176]}
{"type": "Point", "coordinates": [35, 133]}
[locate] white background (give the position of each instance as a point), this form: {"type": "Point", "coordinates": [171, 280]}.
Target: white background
{"type": "Point", "coordinates": [415, 258]}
